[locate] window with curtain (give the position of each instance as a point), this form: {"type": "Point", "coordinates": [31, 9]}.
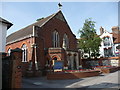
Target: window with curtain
{"type": "Point", "coordinates": [24, 53]}
{"type": "Point", "coordinates": [108, 52]}
{"type": "Point", "coordinates": [56, 39]}
{"type": "Point", "coordinates": [106, 41]}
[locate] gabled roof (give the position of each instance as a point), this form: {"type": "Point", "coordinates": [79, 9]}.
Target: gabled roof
{"type": "Point", "coordinates": [29, 29]}
{"type": "Point", "coordinates": [6, 22]}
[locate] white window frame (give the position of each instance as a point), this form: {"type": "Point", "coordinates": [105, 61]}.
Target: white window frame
{"type": "Point", "coordinates": [66, 41]}
{"type": "Point", "coordinates": [56, 40]}
{"type": "Point", "coordinates": [24, 53]}
{"type": "Point", "coordinates": [108, 41]}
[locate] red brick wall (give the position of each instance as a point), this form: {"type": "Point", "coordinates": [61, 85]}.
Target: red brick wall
{"type": "Point", "coordinates": [40, 52]}
{"type": "Point", "coordinates": [16, 69]}
{"type": "Point", "coordinates": [75, 75]}
{"type": "Point", "coordinates": [19, 45]}
{"type": "Point", "coordinates": [62, 28]}
{"type": "Point", "coordinates": [44, 40]}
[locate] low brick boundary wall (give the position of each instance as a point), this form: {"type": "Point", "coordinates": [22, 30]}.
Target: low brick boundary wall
{"type": "Point", "coordinates": [75, 75]}
{"type": "Point", "coordinates": [108, 70]}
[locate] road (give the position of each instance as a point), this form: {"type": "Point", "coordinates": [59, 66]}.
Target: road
{"type": "Point", "coordinates": [111, 80]}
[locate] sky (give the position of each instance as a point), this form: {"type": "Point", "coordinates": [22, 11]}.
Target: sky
{"type": "Point", "coordinates": [22, 14]}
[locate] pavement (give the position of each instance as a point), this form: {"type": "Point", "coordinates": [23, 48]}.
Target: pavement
{"type": "Point", "coordinates": [111, 80]}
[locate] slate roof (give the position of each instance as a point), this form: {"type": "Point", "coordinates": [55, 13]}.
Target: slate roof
{"type": "Point", "coordinates": [27, 30]}
{"type": "Point", "coordinates": [6, 22]}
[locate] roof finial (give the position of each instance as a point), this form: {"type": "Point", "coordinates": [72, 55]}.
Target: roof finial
{"type": "Point", "coordinates": [59, 5]}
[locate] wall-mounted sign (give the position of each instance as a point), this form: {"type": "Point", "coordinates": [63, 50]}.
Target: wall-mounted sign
{"type": "Point", "coordinates": [58, 65]}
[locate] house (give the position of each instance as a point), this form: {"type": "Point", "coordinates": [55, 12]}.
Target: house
{"type": "Point", "coordinates": [109, 42]}
{"type": "Point", "coordinates": [47, 44]}
{"type": "Point", "coordinates": [116, 39]}
{"type": "Point", "coordinates": [107, 45]}
{"type": "Point", "coordinates": [4, 26]}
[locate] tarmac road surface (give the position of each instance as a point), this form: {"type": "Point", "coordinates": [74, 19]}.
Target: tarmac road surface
{"type": "Point", "coordinates": [111, 80]}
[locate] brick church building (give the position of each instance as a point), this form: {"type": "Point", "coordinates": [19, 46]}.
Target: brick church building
{"type": "Point", "coordinates": [47, 44]}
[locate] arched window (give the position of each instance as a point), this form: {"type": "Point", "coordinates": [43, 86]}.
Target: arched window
{"type": "Point", "coordinates": [56, 39]}
{"type": "Point", "coordinates": [106, 41]}
{"type": "Point", "coordinates": [65, 41]}
{"type": "Point", "coordinates": [24, 53]}
{"type": "Point", "coordinates": [9, 51]}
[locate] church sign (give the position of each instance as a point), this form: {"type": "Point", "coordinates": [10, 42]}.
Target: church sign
{"type": "Point", "coordinates": [58, 65]}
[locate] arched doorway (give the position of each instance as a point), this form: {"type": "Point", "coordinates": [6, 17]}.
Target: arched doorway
{"type": "Point", "coordinates": [57, 63]}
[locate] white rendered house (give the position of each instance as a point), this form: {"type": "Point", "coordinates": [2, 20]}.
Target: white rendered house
{"type": "Point", "coordinates": [107, 45]}
{"type": "Point", "coordinates": [4, 26]}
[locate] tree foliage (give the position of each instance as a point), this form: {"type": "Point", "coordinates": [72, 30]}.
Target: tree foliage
{"type": "Point", "coordinates": [89, 41]}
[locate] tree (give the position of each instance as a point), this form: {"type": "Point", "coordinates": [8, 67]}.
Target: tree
{"type": "Point", "coordinates": [89, 41]}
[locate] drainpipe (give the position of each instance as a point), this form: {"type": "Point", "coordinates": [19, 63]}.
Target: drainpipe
{"type": "Point", "coordinates": [35, 47]}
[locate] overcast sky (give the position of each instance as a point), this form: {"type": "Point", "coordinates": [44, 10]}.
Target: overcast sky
{"type": "Point", "coordinates": [22, 14]}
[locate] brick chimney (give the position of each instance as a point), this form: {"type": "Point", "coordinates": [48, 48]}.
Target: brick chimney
{"type": "Point", "coordinates": [115, 29]}
{"type": "Point", "coordinates": [101, 30]}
